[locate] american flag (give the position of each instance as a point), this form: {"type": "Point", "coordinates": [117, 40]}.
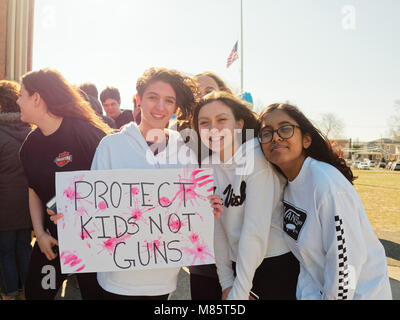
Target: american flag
{"type": "Point", "coordinates": [233, 55]}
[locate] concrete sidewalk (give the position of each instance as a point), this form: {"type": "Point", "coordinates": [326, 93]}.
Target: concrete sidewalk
{"type": "Point", "coordinates": [390, 241]}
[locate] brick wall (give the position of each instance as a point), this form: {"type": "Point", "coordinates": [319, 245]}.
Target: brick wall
{"type": "Point", "coordinates": [3, 33]}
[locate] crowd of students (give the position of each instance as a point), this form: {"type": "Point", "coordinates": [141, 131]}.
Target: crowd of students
{"type": "Point", "coordinates": [288, 222]}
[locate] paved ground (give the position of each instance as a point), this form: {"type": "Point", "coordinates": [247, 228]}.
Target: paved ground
{"type": "Point", "coordinates": [390, 240]}
{"type": "Point", "coordinates": [391, 243]}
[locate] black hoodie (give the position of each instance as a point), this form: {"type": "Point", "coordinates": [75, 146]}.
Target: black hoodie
{"type": "Point", "coordinates": [14, 208]}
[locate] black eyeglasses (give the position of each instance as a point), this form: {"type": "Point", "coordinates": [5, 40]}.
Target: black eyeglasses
{"type": "Point", "coordinates": [284, 132]}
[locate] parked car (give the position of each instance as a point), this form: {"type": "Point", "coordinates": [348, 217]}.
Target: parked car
{"type": "Point", "coordinates": [372, 164]}
{"type": "Point", "coordinates": [395, 166]}
{"type": "Point", "coordinates": [382, 165]}
{"type": "Point", "coordinates": [356, 163]}
{"type": "Point", "coordinates": [363, 166]}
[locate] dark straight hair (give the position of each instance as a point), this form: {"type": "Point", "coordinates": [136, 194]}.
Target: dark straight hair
{"type": "Point", "coordinates": [320, 148]}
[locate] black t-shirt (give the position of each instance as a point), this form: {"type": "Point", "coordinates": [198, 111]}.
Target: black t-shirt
{"type": "Point", "coordinates": [70, 148]}
{"type": "Point", "coordinates": [125, 117]}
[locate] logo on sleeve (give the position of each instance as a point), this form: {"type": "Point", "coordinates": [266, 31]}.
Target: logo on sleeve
{"type": "Point", "coordinates": [293, 220]}
{"type": "Point", "coordinates": [63, 159]}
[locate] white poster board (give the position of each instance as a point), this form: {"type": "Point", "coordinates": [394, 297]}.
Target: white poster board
{"type": "Point", "coordinates": [116, 220]}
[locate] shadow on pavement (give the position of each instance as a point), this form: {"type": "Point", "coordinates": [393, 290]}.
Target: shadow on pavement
{"type": "Point", "coordinates": [395, 285]}
{"type": "Point", "coordinates": [392, 249]}
{"type": "Point", "coordinates": [72, 292]}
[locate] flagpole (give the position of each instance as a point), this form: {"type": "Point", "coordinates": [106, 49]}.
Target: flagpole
{"type": "Point", "coordinates": [241, 46]}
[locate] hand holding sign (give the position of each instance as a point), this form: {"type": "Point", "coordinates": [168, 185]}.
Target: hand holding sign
{"type": "Point", "coordinates": [53, 216]}
{"type": "Point", "coordinates": [216, 204]}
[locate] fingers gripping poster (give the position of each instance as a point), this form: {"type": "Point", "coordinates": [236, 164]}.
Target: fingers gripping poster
{"type": "Point", "coordinates": [116, 220]}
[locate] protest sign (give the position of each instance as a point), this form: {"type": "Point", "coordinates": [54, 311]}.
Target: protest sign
{"type": "Point", "coordinates": [117, 220]}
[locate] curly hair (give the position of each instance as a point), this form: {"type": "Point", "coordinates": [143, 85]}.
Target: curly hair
{"type": "Point", "coordinates": [9, 92]}
{"type": "Point", "coordinates": [186, 91]}
{"type": "Point", "coordinates": [61, 98]}
{"type": "Point", "coordinates": [320, 148]}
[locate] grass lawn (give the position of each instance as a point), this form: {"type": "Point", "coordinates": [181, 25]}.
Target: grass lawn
{"type": "Point", "coordinates": [379, 191]}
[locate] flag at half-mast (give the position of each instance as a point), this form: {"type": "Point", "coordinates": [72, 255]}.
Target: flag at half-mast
{"type": "Point", "coordinates": [233, 55]}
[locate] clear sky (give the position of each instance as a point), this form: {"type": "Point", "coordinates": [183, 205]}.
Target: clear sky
{"type": "Point", "coordinates": [325, 56]}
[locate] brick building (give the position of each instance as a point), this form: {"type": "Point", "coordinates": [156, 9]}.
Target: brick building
{"type": "Point", "coordinates": [16, 38]}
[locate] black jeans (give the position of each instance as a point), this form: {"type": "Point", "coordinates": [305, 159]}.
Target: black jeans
{"type": "Point", "coordinates": [276, 278]}
{"type": "Point", "coordinates": [15, 253]}
{"type": "Point", "coordinates": [205, 288]}
{"type": "Point", "coordinates": [45, 279]}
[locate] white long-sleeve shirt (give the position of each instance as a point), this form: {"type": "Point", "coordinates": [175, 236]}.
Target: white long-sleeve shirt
{"type": "Point", "coordinates": [129, 150]}
{"type": "Point", "coordinates": [328, 231]}
{"type": "Point", "coordinates": [250, 228]}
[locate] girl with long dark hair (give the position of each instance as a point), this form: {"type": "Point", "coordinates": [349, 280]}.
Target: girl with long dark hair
{"type": "Point", "coordinates": [324, 221]}
{"type": "Point", "coordinates": [251, 255]}
{"type": "Point", "coordinates": [65, 139]}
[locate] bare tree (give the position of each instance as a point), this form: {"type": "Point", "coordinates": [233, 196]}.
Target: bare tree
{"type": "Point", "coordinates": [331, 126]}
{"type": "Point", "coordinates": [394, 122]}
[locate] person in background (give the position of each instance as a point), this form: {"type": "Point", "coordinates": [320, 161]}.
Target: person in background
{"type": "Point", "coordinates": [324, 221]}
{"type": "Point", "coordinates": [15, 222]}
{"type": "Point", "coordinates": [67, 134]}
{"type": "Point", "coordinates": [89, 93]}
{"type": "Point", "coordinates": [252, 257]}
{"type": "Point", "coordinates": [209, 82]}
{"type": "Point", "coordinates": [111, 101]}
{"type": "Point", "coordinates": [137, 116]}
{"type": "Point", "coordinates": [90, 89]}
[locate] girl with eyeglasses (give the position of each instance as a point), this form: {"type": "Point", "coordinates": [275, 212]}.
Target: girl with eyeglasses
{"type": "Point", "coordinates": [251, 255]}
{"type": "Point", "coordinates": [324, 221]}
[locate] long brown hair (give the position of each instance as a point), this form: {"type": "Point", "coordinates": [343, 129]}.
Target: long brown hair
{"type": "Point", "coordinates": [320, 148]}
{"type": "Point", "coordinates": [61, 98]}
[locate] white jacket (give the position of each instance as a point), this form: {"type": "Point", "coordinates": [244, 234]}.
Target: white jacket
{"type": "Point", "coordinates": [328, 231]}
{"type": "Point", "coordinates": [129, 150]}
{"type": "Point", "coordinates": [250, 228]}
